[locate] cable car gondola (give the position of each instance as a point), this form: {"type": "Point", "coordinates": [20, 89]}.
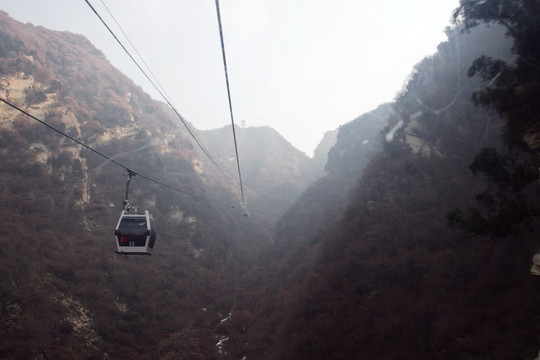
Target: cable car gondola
{"type": "Point", "coordinates": [135, 233]}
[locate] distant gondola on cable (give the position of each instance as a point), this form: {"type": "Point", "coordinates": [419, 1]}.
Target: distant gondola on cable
{"type": "Point", "coordinates": [135, 233]}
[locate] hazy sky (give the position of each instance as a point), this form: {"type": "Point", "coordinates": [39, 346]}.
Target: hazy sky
{"type": "Point", "coordinates": [302, 67]}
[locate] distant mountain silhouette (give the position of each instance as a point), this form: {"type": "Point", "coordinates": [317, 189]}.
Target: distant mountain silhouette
{"type": "Point", "coordinates": [325, 201]}
{"type": "Point", "coordinates": [274, 171]}
{"type": "Point", "coordinates": [320, 154]}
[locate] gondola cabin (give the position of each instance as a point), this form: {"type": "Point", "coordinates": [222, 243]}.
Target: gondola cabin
{"type": "Point", "coordinates": [135, 233]}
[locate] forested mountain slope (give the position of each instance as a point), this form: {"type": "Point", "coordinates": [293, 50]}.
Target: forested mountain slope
{"type": "Point", "coordinates": [389, 277]}
{"type": "Point", "coordinates": [64, 294]}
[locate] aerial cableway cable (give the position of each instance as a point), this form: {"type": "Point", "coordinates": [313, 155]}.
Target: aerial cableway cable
{"type": "Point", "coordinates": [160, 92]}
{"type": "Point", "coordinates": [230, 106]}
{"type": "Point", "coordinates": [135, 49]}
{"type": "Point", "coordinates": [108, 158]}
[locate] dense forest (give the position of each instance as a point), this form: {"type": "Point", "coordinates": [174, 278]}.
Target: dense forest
{"type": "Point", "coordinates": [415, 242]}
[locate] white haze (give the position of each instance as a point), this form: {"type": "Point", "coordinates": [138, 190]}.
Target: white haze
{"type": "Point", "coordinates": [302, 67]}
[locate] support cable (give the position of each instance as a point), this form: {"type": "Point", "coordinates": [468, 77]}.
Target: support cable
{"type": "Point", "coordinates": [108, 158]}
{"type": "Point", "coordinates": [134, 48]}
{"type": "Point", "coordinates": [159, 91]}
{"type": "Point", "coordinates": [230, 106]}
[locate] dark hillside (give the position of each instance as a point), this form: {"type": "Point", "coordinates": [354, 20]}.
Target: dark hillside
{"type": "Point", "coordinates": [299, 234]}
{"type": "Point", "coordinates": [389, 279]}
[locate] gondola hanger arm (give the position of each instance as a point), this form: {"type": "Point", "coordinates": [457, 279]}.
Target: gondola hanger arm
{"type": "Point", "coordinates": [131, 174]}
